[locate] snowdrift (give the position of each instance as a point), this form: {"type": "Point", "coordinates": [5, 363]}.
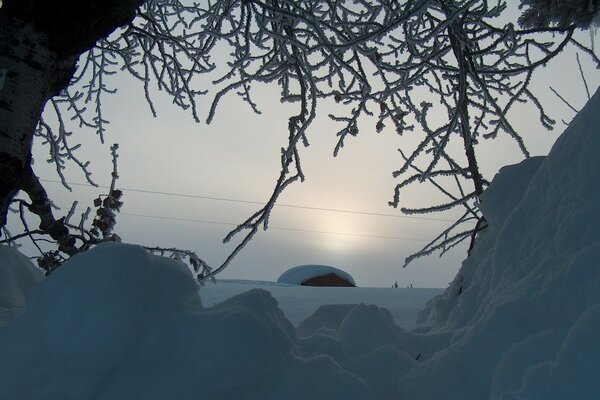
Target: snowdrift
{"type": "Point", "coordinates": [520, 315]}
{"type": "Point", "coordinates": [300, 302]}
{"type": "Point", "coordinates": [119, 323]}
{"type": "Point", "coordinates": [519, 321]}
{"type": "Point", "coordinates": [17, 277]}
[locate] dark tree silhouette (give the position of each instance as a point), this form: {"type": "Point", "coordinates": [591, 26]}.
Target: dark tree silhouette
{"type": "Point", "coordinates": [561, 13]}
{"type": "Point", "coordinates": [40, 43]}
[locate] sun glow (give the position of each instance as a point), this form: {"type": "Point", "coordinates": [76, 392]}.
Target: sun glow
{"type": "Point", "coordinates": [341, 233]}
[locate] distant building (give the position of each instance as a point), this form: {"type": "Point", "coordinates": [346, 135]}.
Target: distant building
{"type": "Point", "coordinates": [317, 275]}
{"type": "Point", "coordinates": [330, 279]}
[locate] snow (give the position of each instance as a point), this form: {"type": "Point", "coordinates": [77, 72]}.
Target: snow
{"type": "Point", "coordinates": [17, 277]}
{"type": "Point", "coordinates": [301, 273]}
{"type": "Point", "coordinates": [530, 287]}
{"type": "Point", "coordinates": [116, 322]}
{"type": "Point", "coordinates": [299, 302]}
{"type": "Point", "coordinates": [519, 321]}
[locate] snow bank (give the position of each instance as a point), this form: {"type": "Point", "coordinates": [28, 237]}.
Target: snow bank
{"type": "Point", "coordinates": [299, 302]}
{"type": "Point", "coordinates": [523, 311]}
{"type": "Point", "coordinates": [301, 273]}
{"type": "Point", "coordinates": [116, 322]}
{"type": "Point", "coordinates": [18, 276]}
{"type": "Point", "coordinates": [364, 340]}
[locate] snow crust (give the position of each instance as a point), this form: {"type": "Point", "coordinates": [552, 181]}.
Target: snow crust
{"type": "Point", "coordinates": [520, 315]}
{"type": "Point", "coordinates": [301, 273]}
{"type": "Point", "coordinates": [299, 302]}
{"type": "Point", "coordinates": [118, 323]}
{"type": "Point", "coordinates": [519, 321]}
{"type": "Point", "coordinates": [18, 276]}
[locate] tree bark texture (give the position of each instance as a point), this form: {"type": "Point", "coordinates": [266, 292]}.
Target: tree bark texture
{"type": "Point", "coordinates": [29, 70]}
{"type": "Point", "coordinates": [73, 26]}
{"type": "Point", "coordinates": [40, 42]}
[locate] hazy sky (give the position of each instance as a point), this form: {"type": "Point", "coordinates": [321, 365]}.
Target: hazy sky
{"type": "Point", "coordinates": [237, 157]}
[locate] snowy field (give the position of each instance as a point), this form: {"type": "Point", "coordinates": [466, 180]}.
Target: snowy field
{"type": "Point", "coordinates": [519, 321]}
{"type": "Point", "coordinates": [298, 302]}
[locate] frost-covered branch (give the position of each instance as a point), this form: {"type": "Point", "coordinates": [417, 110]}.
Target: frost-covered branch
{"type": "Point", "coordinates": [444, 72]}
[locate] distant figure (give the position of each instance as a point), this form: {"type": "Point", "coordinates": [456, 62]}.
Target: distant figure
{"type": "Point", "coordinates": [395, 285]}
{"type": "Point", "coordinates": [411, 286]}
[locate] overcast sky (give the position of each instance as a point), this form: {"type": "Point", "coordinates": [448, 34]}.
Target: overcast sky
{"type": "Point", "coordinates": [237, 158]}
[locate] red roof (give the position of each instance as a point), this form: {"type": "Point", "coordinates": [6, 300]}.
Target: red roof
{"type": "Point", "coordinates": [330, 279]}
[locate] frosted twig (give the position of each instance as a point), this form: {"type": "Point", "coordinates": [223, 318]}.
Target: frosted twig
{"type": "Point", "coordinates": [563, 100]}
{"type": "Point", "coordinates": [585, 84]}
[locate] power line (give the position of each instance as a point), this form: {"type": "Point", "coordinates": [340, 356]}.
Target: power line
{"type": "Point", "coordinates": [214, 198]}
{"type": "Point", "coordinates": [282, 228]}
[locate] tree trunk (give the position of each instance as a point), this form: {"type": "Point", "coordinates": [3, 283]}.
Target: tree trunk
{"type": "Point", "coordinates": [40, 42]}
{"type": "Point", "coordinates": [29, 71]}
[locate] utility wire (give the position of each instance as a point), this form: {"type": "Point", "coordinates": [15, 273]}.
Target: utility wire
{"type": "Point", "coordinates": [258, 202]}
{"type": "Point", "coordinates": [282, 228]}
{"type": "Point", "coordinates": [275, 227]}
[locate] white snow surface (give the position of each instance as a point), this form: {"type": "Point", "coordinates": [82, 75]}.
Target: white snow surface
{"type": "Point", "coordinates": [17, 277]}
{"type": "Point", "coordinates": [118, 323]}
{"type": "Point", "coordinates": [299, 302]}
{"type": "Point", "coordinates": [519, 321]}
{"type": "Point", "coordinates": [301, 273]}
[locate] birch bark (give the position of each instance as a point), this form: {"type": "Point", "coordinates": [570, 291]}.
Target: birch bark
{"type": "Point", "coordinates": [29, 73]}
{"type": "Point", "coordinates": [40, 42]}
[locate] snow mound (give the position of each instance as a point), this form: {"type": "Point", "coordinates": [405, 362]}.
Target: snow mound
{"type": "Point", "coordinates": [329, 316]}
{"type": "Point", "coordinates": [520, 315]}
{"type": "Point", "coordinates": [116, 322]}
{"type": "Point", "coordinates": [299, 302]}
{"type": "Point", "coordinates": [364, 340]}
{"type": "Point", "coordinates": [18, 277]}
{"type": "Point", "coordinates": [301, 273]}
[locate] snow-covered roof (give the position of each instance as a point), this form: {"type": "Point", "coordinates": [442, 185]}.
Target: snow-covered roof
{"type": "Point", "coordinates": [302, 273]}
